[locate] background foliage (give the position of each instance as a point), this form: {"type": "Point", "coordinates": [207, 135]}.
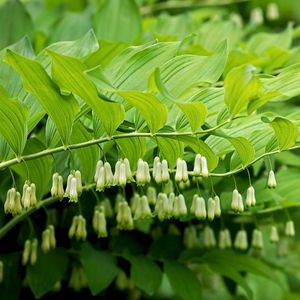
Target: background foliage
{"type": "Point", "coordinates": [83, 80]}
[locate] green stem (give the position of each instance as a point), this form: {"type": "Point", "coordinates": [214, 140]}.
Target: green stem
{"type": "Point", "coordinates": [46, 152]}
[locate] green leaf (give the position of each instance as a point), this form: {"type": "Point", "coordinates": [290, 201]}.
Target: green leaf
{"type": "Point", "coordinates": [124, 20]}
{"type": "Point", "coordinates": [183, 281]}
{"type": "Point", "coordinates": [37, 82]}
{"type": "Point", "coordinates": [68, 72]}
{"type": "Point", "coordinates": [153, 111]}
{"type": "Point", "coordinates": [49, 268]}
{"type": "Point", "coordinates": [87, 157]}
{"type": "Point", "coordinates": [241, 86]}
{"type": "Point", "coordinates": [286, 132]}
{"type": "Point", "coordinates": [171, 149]}
{"type": "Point", "coordinates": [145, 273]}
{"type": "Point", "coordinates": [39, 170]}
{"type": "Point", "coordinates": [13, 124]}
{"type": "Point", "coordinates": [243, 148]}
{"type": "Point", "coordinates": [133, 148]}
{"type": "Point", "coordinates": [99, 266]}
{"type": "Point", "coordinates": [195, 112]}
{"type": "Point", "coordinates": [15, 22]}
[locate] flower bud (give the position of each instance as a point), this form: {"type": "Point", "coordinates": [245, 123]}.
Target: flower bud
{"type": "Point", "coordinates": [98, 166]}
{"type": "Point", "coordinates": [100, 184]}
{"type": "Point", "coordinates": [155, 162]}
{"type": "Point", "coordinates": [241, 204]}
{"type": "Point", "coordinates": [211, 206]}
{"type": "Point", "coordinates": [73, 227]}
{"type": "Point", "coordinates": [158, 173]}
{"type": "Point", "coordinates": [241, 241]}
{"type": "Point", "coordinates": [185, 175]}
{"type": "Point", "coordinates": [197, 165]}
{"type": "Point", "coordinates": [33, 200]}
{"type": "Point", "coordinates": [151, 195]}
{"type": "Point", "coordinates": [54, 188]}
{"type": "Point", "coordinates": [109, 176]}
{"type": "Point", "coordinates": [77, 175]}
{"type": "Point", "coordinates": [235, 200]}
{"type": "Point", "coordinates": [124, 217]}
{"type": "Point", "coordinates": [128, 170]}
{"type": "Point", "coordinates": [272, 180]}
{"type": "Point", "coordinates": [290, 228]}
{"type": "Point", "coordinates": [52, 238]}
{"type": "Point", "coordinates": [256, 16]}
{"type": "Point", "coordinates": [225, 239]}
{"type": "Point", "coordinates": [73, 190]}
{"type": "Point", "coordinates": [204, 168]}
{"type": "Point", "coordinates": [142, 209]}
{"type": "Point", "coordinates": [272, 11]}
{"type": "Point", "coordinates": [99, 222]}
{"type": "Point", "coordinates": [67, 193]}
{"type": "Point", "coordinates": [274, 236]}
{"type": "Point", "coordinates": [250, 200]}
{"type": "Point", "coordinates": [122, 174]}
{"type": "Point", "coordinates": [140, 173]}
{"type": "Point", "coordinates": [117, 172]}
{"type": "Point", "coordinates": [190, 239]}
{"type": "Point", "coordinates": [147, 172]}
{"type": "Point", "coordinates": [209, 239]}
{"type": "Point", "coordinates": [217, 206]}
{"type": "Point", "coordinates": [179, 207]}
{"type": "Point", "coordinates": [81, 232]}
{"type": "Point", "coordinates": [257, 239]}
{"type": "Point", "coordinates": [165, 176]}
{"type": "Point", "coordinates": [179, 170]}
{"type": "Point", "coordinates": [45, 240]}
{"type": "Point", "coordinates": [200, 208]}
{"type": "Point", "coordinates": [60, 189]}
{"type": "Point", "coordinates": [26, 196]}
{"type": "Point", "coordinates": [26, 252]}
{"type": "Point", "coordinates": [33, 253]}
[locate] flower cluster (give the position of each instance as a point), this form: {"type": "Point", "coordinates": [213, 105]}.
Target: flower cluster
{"type": "Point", "coordinates": [78, 228]}
{"type": "Point", "coordinates": [74, 186]}
{"type": "Point", "coordinates": [99, 221]}
{"type": "Point", "coordinates": [48, 239]}
{"type": "Point", "coordinates": [30, 252]}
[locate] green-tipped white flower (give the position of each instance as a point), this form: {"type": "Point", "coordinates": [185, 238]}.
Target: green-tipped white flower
{"type": "Point", "coordinates": [33, 199]}
{"type": "Point", "coordinates": [200, 208]}
{"type": "Point", "coordinates": [81, 233]}
{"type": "Point", "coordinates": [67, 192]}
{"type": "Point", "coordinates": [13, 202]}
{"type": "Point", "coordinates": [151, 195]}
{"type": "Point", "coordinates": [241, 241]}
{"type": "Point", "coordinates": [272, 11]}
{"type": "Point", "coordinates": [257, 239]}
{"type": "Point", "coordinates": [204, 168]}
{"type": "Point", "coordinates": [190, 239]}
{"type": "Point", "coordinates": [184, 185]}
{"type": "Point", "coordinates": [192, 208]}
{"type": "Point", "coordinates": [98, 166]}
{"type": "Point", "coordinates": [73, 190]}
{"type": "Point", "coordinates": [241, 204]}
{"type": "Point", "coordinates": [274, 236]}
{"type": "Point", "coordinates": [222, 244]}
{"type": "Point", "coordinates": [100, 183]}
{"type": "Point", "coordinates": [217, 207]}
{"type": "Point", "coordinates": [272, 180]}
{"type": "Point", "coordinates": [228, 241]}
{"type": "Point", "coordinates": [134, 202]}
{"type": "Point", "coordinates": [158, 173]}
{"type": "Point", "coordinates": [122, 174]}
{"type": "Point", "coordinates": [225, 239]}
{"type": "Point", "coordinates": [109, 176]}
{"type": "Point", "coordinates": [129, 176]}
{"type": "Point", "coordinates": [26, 252]}
{"type": "Point", "coordinates": [209, 239]}
{"type": "Point", "coordinates": [108, 210]}
{"type": "Point", "coordinates": [99, 222]}
{"type": "Point", "coordinates": [142, 210]}
{"type": "Point", "coordinates": [52, 237]}
{"type": "Point", "coordinates": [211, 206]}
{"type": "Point", "coordinates": [179, 170]}
{"type": "Point", "coordinates": [33, 252]}
{"type": "Point", "coordinates": [78, 279]}
{"type": "Point", "coordinates": [73, 227]}
{"type": "Point", "coordinates": [290, 228]}
{"type": "Point", "coordinates": [179, 207]}
{"type": "Point", "coordinates": [118, 200]}
{"type": "Point", "coordinates": [155, 162]}
{"type": "Point", "coordinates": [250, 199]}
{"type": "Point", "coordinates": [124, 217]}
{"type": "Point", "coordinates": [54, 188]}
{"type": "Point", "coordinates": [142, 173]}
{"type": "Point", "coordinates": [256, 16]}
{"type": "Point", "coordinates": [26, 195]}
{"type": "Point", "coordinates": [235, 200]}
{"type": "Point", "coordinates": [164, 206]}
{"type": "Point", "coordinates": [197, 165]}
{"type": "Point", "coordinates": [165, 175]}
{"type": "Point", "coordinates": [117, 172]}
{"type": "Point", "coordinates": [77, 175]}
{"type": "Point", "coordinates": [60, 189]}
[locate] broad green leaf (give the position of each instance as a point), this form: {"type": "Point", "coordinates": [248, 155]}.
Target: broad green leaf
{"type": "Point", "coordinates": [15, 22]}
{"type": "Point", "coordinates": [153, 111]}
{"type": "Point", "coordinates": [84, 158]}
{"type": "Point", "coordinates": [37, 82]}
{"type": "Point", "coordinates": [4, 149]}
{"type": "Point", "coordinates": [260, 101]}
{"type": "Point", "coordinates": [195, 112]}
{"type": "Point", "coordinates": [13, 124]}
{"type": "Point", "coordinates": [100, 268]}
{"type": "Point", "coordinates": [145, 273]}
{"type": "Point", "coordinates": [183, 281]}
{"type": "Point", "coordinates": [241, 86]}
{"type": "Point", "coordinates": [286, 132]}
{"type": "Point", "coordinates": [182, 72]}
{"type": "Point", "coordinates": [49, 269]}
{"type": "Point", "coordinates": [68, 72]}
{"type": "Point", "coordinates": [125, 28]}
{"type": "Point", "coordinates": [39, 170]}
{"type": "Point", "coordinates": [171, 149]}
{"type": "Point", "coordinates": [132, 148]}
{"type": "Point", "coordinates": [243, 148]}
